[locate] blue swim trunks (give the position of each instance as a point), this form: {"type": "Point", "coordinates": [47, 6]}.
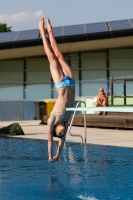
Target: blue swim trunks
{"type": "Point", "coordinates": [65, 82]}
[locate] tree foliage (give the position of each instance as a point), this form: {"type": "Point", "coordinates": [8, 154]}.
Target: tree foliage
{"type": "Point", "coordinates": [4, 28]}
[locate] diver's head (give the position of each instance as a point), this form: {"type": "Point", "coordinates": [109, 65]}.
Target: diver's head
{"type": "Point", "coordinates": [59, 130]}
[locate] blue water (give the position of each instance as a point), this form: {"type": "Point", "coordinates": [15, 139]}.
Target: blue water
{"type": "Point", "coordinates": [88, 172]}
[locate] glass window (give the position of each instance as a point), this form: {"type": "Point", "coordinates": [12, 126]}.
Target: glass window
{"type": "Point", "coordinates": [121, 66]}
{"type": "Point", "coordinates": [38, 78]}
{"type": "Point", "coordinates": [11, 80]}
{"type": "Point", "coordinates": [93, 73]}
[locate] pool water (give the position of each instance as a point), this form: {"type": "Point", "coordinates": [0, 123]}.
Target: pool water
{"type": "Point", "coordinates": [86, 172]}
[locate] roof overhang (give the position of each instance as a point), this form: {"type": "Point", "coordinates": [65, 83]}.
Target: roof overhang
{"type": "Point", "coordinates": [74, 38]}
{"type": "Point", "coordinates": [88, 45]}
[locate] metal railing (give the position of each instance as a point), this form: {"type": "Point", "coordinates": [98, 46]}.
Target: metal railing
{"type": "Point", "coordinates": [124, 93]}
{"type": "Point", "coordinates": [70, 126]}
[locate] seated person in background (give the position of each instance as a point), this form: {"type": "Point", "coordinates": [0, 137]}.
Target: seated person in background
{"type": "Point", "coordinates": [102, 100]}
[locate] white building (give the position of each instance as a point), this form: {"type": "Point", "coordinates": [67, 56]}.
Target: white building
{"type": "Point", "coordinates": [94, 51]}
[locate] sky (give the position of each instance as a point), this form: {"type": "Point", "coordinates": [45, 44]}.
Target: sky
{"type": "Point", "coordinates": [25, 14]}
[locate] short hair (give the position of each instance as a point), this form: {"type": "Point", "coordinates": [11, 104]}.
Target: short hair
{"type": "Point", "coordinates": [101, 88]}
{"type": "Point", "coordinates": [55, 135]}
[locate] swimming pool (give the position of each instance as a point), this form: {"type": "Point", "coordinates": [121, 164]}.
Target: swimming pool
{"type": "Point", "coordinates": [88, 172]}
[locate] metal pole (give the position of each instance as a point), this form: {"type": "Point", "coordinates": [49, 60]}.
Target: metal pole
{"type": "Point", "coordinates": [124, 88]}
{"type": "Point", "coordinates": [85, 139]}
{"type": "Point", "coordinates": [111, 90]}
{"type": "Point", "coordinates": [108, 72]}
{"type": "Point", "coordinates": [69, 130]}
{"type": "Point", "coordinates": [80, 75]}
{"type": "Point", "coordinates": [70, 126]}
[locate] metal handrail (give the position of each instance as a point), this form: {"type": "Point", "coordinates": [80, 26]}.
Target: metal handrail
{"type": "Point", "coordinates": [70, 126]}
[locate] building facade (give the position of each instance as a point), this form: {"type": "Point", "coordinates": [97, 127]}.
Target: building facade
{"type": "Point", "coordinates": [95, 52]}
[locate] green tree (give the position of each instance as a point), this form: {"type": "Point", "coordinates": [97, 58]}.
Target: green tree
{"type": "Point", "coordinates": [4, 28]}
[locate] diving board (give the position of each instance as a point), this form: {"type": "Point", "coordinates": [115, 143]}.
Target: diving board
{"type": "Point", "coordinates": [104, 109]}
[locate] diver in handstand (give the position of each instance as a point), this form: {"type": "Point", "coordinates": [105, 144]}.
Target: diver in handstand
{"type": "Point", "coordinates": [64, 85]}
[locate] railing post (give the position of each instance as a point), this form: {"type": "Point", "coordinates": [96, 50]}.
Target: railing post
{"type": "Point", "coordinates": [111, 90]}
{"type": "Point", "coordinates": [85, 139]}
{"type": "Point", "coordinates": [124, 88]}
{"type": "Point", "coordinates": [69, 130]}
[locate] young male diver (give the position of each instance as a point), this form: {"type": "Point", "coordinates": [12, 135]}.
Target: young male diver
{"type": "Point", "coordinates": [64, 85]}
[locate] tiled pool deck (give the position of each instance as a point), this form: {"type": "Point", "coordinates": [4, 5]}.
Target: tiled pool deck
{"type": "Point", "coordinates": [122, 138]}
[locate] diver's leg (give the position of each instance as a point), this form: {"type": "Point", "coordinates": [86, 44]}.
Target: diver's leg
{"type": "Point", "coordinates": [65, 67]}
{"type": "Point", "coordinates": [56, 71]}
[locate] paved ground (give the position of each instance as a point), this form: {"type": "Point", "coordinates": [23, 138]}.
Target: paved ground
{"type": "Point", "coordinates": [33, 130]}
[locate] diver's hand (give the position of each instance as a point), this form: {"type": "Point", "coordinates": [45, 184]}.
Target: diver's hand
{"type": "Point", "coordinates": [55, 158]}
{"type": "Point", "coordinates": [51, 160]}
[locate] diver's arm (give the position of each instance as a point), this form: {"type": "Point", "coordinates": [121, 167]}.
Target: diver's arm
{"type": "Point", "coordinates": [50, 139]}
{"type": "Point", "coordinates": [60, 144]}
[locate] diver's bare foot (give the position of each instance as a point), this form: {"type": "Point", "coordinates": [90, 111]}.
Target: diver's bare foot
{"type": "Point", "coordinates": [45, 31]}
{"type": "Point", "coordinates": [41, 25]}
{"type": "Point", "coordinates": [49, 26]}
